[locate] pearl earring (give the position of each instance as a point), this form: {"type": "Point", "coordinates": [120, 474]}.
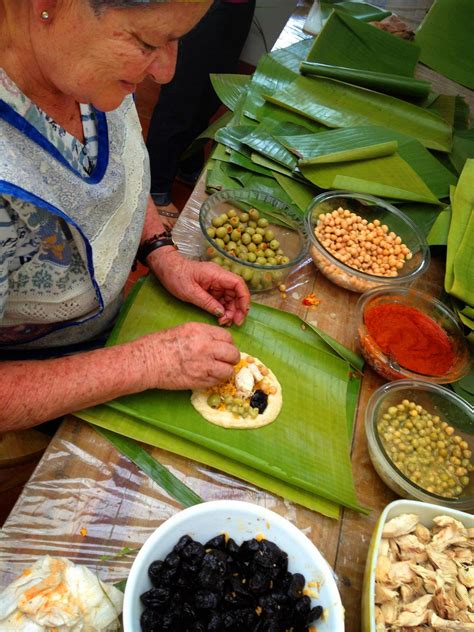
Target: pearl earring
{"type": "Point", "coordinates": [45, 15]}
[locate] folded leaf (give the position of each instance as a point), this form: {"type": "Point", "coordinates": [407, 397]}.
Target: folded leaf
{"type": "Point", "coordinates": [463, 148]}
{"type": "Point", "coordinates": [302, 194]}
{"type": "Point", "coordinates": [438, 235]}
{"type": "Point", "coordinates": [345, 41]}
{"type": "Point", "coordinates": [445, 38]}
{"type": "Point", "coordinates": [382, 82]}
{"type": "Point", "coordinates": [338, 104]}
{"type": "Point", "coordinates": [229, 88]}
{"type": "Point", "coordinates": [359, 10]}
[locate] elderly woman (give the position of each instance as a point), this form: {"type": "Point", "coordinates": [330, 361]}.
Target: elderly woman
{"type": "Point", "coordinates": [75, 206]}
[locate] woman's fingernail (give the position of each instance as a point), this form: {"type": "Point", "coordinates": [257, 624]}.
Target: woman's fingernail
{"type": "Point", "coordinates": [218, 313]}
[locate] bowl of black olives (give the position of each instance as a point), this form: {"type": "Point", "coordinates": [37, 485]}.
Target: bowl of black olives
{"type": "Point", "coordinates": [230, 565]}
{"type": "Point", "coordinates": [253, 234]}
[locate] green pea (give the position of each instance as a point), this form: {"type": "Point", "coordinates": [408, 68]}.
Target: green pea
{"type": "Point", "coordinates": [214, 400]}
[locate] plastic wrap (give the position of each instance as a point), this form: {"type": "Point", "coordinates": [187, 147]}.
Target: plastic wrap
{"type": "Point", "coordinates": [87, 502]}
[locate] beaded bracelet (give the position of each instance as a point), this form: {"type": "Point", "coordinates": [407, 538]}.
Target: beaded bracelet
{"type": "Point", "coordinates": [153, 243]}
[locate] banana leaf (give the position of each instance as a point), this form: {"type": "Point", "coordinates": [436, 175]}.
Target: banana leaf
{"type": "Point", "coordinates": [423, 215]}
{"type": "Point", "coordinates": [346, 41]}
{"type": "Point", "coordinates": [229, 88]}
{"type": "Point", "coordinates": [438, 235]}
{"type": "Point", "coordinates": [459, 278]}
{"type": "Point", "coordinates": [360, 10]}
{"type": "Point", "coordinates": [463, 148]}
{"type": "Point", "coordinates": [126, 425]}
{"type": "Point", "coordinates": [346, 141]}
{"type": "Point", "coordinates": [264, 184]}
{"type": "Point", "coordinates": [308, 446]}
{"type": "Point", "coordinates": [445, 39]}
{"type": "Point", "coordinates": [217, 178]}
{"type": "Point", "coordinates": [258, 159]}
{"type": "Point", "coordinates": [461, 113]}
{"type": "Point", "coordinates": [338, 104]}
{"type": "Point", "coordinates": [157, 472]}
{"type": "Point", "coordinates": [445, 106]}
{"type": "Point", "coordinates": [261, 140]}
{"type": "Point", "coordinates": [301, 194]}
{"type": "Point", "coordinates": [236, 158]}
{"type": "Point", "coordinates": [387, 83]}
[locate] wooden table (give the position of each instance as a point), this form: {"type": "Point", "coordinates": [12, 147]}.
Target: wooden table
{"type": "Point", "coordinates": [85, 500]}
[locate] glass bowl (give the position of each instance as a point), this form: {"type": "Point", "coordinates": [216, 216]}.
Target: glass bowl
{"type": "Point", "coordinates": [385, 365]}
{"type": "Point", "coordinates": [369, 208]}
{"type": "Point", "coordinates": [384, 450]}
{"type": "Point", "coordinates": [291, 236]}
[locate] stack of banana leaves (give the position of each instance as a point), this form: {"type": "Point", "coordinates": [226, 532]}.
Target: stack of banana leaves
{"type": "Point", "coordinates": [344, 111]}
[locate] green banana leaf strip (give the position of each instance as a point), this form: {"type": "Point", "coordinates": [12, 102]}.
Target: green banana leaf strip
{"type": "Point", "coordinates": [468, 311]}
{"type": "Point", "coordinates": [262, 141]}
{"type": "Point", "coordinates": [232, 137]}
{"type": "Point", "coordinates": [445, 106]}
{"type": "Point", "coordinates": [377, 150]}
{"type": "Point", "coordinates": [338, 104]}
{"type": "Point", "coordinates": [229, 88]}
{"type": "Point", "coordinates": [468, 322]}
{"type": "Point", "coordinates": [302, 194]}
{"type": "Point", "coordinates": [462, 204]}
{"type": "Point", "coordinates": [461, 113]}
{"type": "Point", "coordinates": [438, 235]}
{"type": "Point", "coordinates": [271, 111]}
{"type": "Point", "coordinates": [445, 38]}
{"type": "Point", "coordinates": [308, 447]}
{"type": "Point", "coordinates": [463, 266]}
{"type": "Point", "coordinates": [271, 165]}
{"type": "Point", "coordinates": [423, 215]}
{"type": "Point", "coordinates": [127, 425]}
{"type": "Point", "coordinates": [382, 82]}
{"type": "Point", "coordinates": [436, 177]}
{"type": "Point", "coordinates": [463, 148]}
{"type": "Point", "coordinates": [157, 472]}
{"type": "Point", "coordinates": [217, 178]}
{"type": "Point", "coordinates": [360, 10]}
{"type": "Point", "coordinates": [260, 183]}
{"type": "Point", "coordinates": [348, 42]}
{"type": "Point", "coordinates": [388, 176]}
{"type": "Point", "coordinates": [236, 158]}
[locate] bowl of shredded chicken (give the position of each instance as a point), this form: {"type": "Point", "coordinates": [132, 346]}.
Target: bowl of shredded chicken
{"type": "Point", "coordinates": [420, 572]}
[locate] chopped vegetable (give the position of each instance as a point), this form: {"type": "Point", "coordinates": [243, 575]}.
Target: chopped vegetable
{"type": "Point", "coordinates": [311, 300]}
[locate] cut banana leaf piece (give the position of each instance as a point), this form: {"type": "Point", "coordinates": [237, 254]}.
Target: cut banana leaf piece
{"type": "Point", "coordinates": [346, 41]}
{"type": "Point", "coordinates": [405, 87]}
{"type": "Point", "coordinates": [445, 38]}
{"type": "Point", "coordinates": [232, 137]}
{"type": "Point", "coordinates": [229, 88]}
{"type": "Point", "coordinates": [459, 279]}
{"type": "Point", "coordinates": [463, 148]}
{"type": "Point", "coordinates": [262, 141]}
{"type": "Point", "coordinates": [301, 194]}
{"type": "Point", "coordinates": [236, 158]}
{"type": "Point", "coordinates": [438, 235]}
{"type": "Point", "coordinates": [217, 178]}
{"type": "Point", "coordinates": [127, 425]}
{"type": "Point", "coordinates": [307, 447]}
{"type": "Point", "coordinates": [423, 215]}
{"type": "Point", "coordinates": [338, 104]}
{"type": "Point", "coordinates": [360, 153]}
{"type": "Point", "coordinates": [271, 165]}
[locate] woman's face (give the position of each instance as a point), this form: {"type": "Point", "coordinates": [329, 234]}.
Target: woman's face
{"type": "Point", "coordinates": [99, 59]}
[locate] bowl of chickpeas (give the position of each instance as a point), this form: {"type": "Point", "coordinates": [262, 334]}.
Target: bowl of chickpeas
{"type": "Point", "coordinates": [254, 235]}
{"type": "Point", "coordinates": [359, 241]}
{"type": "Point", "coordinates": [421, 440]}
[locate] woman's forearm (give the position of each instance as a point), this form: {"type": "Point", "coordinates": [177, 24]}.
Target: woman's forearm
{"type": "Point", "coordinates": [34, 391]}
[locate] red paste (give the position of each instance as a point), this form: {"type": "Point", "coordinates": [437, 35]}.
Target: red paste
{"type": "Point", "coordinates": [413, 339]}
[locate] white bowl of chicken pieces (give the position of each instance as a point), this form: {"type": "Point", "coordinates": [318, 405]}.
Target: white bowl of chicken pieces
{"type": "Point", "coordinates": [419, 573]}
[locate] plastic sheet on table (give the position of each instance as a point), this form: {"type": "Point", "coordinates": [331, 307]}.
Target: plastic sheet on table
{"type": "Point", "coordinates": [88, 503]}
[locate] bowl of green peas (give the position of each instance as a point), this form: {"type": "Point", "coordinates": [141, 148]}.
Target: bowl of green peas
{"type": "Point", "coordinates": [254, 235]}
{"type": "Point", "coordinates": [421, 441]}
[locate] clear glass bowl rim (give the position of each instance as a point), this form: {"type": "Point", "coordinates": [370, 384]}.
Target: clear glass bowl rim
{"type": "Point", "coordinates": [226, 195]}
{"type": "Point", "coordinates": [424, 248]}
{"type": "Point", "coordinates": [372, 437]}
{"type": "Point", "coordinates": [401, 290]}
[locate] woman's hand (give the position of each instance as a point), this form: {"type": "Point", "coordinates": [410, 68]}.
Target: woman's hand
{"type": "Point", "coordinates": [207, 285]}
{"type": "Point", "coordinates": [189, 356]}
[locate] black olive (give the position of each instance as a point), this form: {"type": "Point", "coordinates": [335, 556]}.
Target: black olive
{"type": "Point", "coordinates": [156, 598]}
{"type": "Point", "coordinates": [206, 600]}
{"type": "Point", "coordinates": [259, 400]}
{"type": "Point", "coordinates": [154, 572]}
{"type": "Point", "coordinates": [182, 542]}
{"type": "Point", "coordinates": [216, 543]}
{"type": "Point", "coordinates": [315, 614]}
{"type": "Point", "coordinates": [296, 587]}
{"type": "Point", "coordinates": [215, 622]}
{"type": "Point", "coordinates": [248, 549]}
{"type": "Point", "coordinates": [150, 621]}
{"type": "Point", "coordinates": [193, 553]}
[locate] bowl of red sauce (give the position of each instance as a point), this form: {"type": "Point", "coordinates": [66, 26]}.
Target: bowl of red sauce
{"type": "Point", "coordinates": [404, 333]}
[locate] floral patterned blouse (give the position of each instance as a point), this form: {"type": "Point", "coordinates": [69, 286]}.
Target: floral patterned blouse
{"type": "Point", "coordinates": [23, 261]}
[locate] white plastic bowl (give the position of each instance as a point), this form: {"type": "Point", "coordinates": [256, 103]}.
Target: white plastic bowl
{"type": "Point", "coordinates": [241, 521]}
{"type": "Point", "coordinates": [426, 512]}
